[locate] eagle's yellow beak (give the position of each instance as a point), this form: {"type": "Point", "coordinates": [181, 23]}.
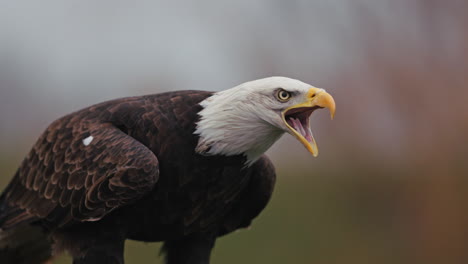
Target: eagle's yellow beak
{"type": "Point", "coordinates": [296, 117]}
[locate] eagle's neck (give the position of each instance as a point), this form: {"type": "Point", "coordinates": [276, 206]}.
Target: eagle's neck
{"type": "Point", "coordinates": [231, 125]}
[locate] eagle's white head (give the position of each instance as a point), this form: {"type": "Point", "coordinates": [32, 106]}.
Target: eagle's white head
{"type": "Point", "coordinates": [250, 117]}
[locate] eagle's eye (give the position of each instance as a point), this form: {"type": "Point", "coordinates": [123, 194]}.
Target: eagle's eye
{"type": "Point", "coordinates": [283, 95]}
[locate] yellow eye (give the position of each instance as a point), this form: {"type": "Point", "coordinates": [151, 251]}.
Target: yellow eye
{"type": "Point", "coordinates": [283, 95]}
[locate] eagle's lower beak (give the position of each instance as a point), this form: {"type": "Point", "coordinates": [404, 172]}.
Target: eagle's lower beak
{"type": "Point", "coordinates": [296, 117]}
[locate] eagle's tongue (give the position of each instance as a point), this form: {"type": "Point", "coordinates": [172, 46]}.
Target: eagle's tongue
{"type": "Point", "coordinates": [302, 128]}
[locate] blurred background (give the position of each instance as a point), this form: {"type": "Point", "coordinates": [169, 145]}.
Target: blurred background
{"type": "Point", "coordinates": [390, 184]}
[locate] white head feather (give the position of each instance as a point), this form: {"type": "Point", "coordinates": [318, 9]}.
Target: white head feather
{"type": "Point", "coordinates": [245, 119]}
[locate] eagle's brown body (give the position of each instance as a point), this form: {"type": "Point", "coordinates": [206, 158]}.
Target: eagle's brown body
{"type": "Point", "coordinates": [127, 169]}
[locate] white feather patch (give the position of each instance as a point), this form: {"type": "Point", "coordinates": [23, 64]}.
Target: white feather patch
{"type": "Point", "coordinates": [87, 140]}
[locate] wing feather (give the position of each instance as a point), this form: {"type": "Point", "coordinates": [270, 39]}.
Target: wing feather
{"type": "Point", "coordinates": [64, 180]}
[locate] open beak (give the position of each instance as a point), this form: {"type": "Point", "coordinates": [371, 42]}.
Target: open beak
{"type": "Point", "coordinates": [296, 117]}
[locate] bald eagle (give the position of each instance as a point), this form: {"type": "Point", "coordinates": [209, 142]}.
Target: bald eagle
{"type": "Point", "coordinates": [181, 167]}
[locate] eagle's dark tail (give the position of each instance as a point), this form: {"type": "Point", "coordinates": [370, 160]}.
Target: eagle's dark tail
{"type": "Point", "coordinates": [21, 242]}
{"type": "Point", "coordinates": [24, 244]}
